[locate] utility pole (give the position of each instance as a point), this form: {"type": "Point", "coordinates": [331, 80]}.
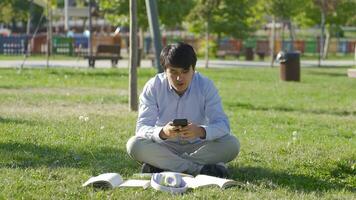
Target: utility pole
{"type": "Point", "coordinates": [321, 46]}
{"type": "Point", "coordinates": [66, 15]}
{"type": "Point", "coordinates": [28, 31]}
{"type": "Point", "coordinates": [272, 39]}
{"type": "Point", "coordinates": [28, 27]}
{"type": "Point", "coordinates": [207, 43]}
{"type": "Point", "coordinates": [152, 13]}
{"type": "Point", "coordinates": [133, 56]}
{"type": "Point", "coordinates": [49, 31]}
{"type": "Point", "coordinates": [90, 45]}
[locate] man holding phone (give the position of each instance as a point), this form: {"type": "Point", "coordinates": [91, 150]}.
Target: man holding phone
{"type": "Point", "coordinates": [181, 124]}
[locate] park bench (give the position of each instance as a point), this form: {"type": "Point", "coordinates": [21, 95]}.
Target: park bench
{"type": "Point", "coordinates": [223, 53]}
{"type": "Point", "coordinates": [105, 52]}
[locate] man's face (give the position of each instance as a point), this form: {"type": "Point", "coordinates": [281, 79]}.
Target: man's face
{"type": "Point", "coordinates": [179, 78]}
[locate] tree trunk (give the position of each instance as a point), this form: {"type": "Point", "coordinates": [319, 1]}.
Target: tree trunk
{"type": "Point", "coordinates": [84, 23]}
{"type": "Point", "coordinates": [218, 40]}
{"type": "Point", "coordinates": [207, 44]}
{"type": "Point", "coordinates": [283, 24]}
{"type": "Point", "coordinates": [272, 39]}
{"type": "Point", "coordinates": [49, 33]}
{"type": "Point", "coordinates": [140, 47]}
{"type": "Point", "coordinates": [321, 42]}
{"type": "Point", "coordinates": [28, 31]}
{"type": "Point", "coordinates": [28, 26]}
{"type": "Point", "coordinates": [90, 39]}
{"type": "Point", "coordinates": [133, 56]}
{"type": "Point", "coordinates": [152, 14]}
{"type": "Point", "coordinates": [290, 27]}
{"type": "Point", "coordinates": [326, 44]}
{"type": "Point", "coordinates": [66, 19]}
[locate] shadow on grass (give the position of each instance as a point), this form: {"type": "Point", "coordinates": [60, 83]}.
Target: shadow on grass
{"type": "Point", "coordinates": [327, 73]}
{"type": "Point", "coordinates": [344, 168]}
{"type": "Point", "coordinates": [273, 179]}
{"type": "Point", "coordinates": [10, 87]}
{"type": "Point", "coordinates": [76, 73]}
{"type": "Point", "coordinates": [97, 159]}
{"type": "Point", "coordinates": [114, 73]}
{"type": "Point", "coordinates": [18, 121]}
{"type": "Point", "coordinates": [335, 67]}
{"type": "Point", "coordinates": [286, 109]}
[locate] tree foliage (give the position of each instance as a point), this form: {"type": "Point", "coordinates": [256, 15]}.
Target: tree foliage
{"type": "Point", "coordinates": [337, 13]}
{"type": "Point", "coordinates": [171, 13]}
{"type": "Point", "coordinates": [226, 17]}
{"type": "Point", "coordinates": [11, 10]}
{"type": "Point", "coordinates": [18, 11]}
{"type": "Point", "coordinates": [284, 9]}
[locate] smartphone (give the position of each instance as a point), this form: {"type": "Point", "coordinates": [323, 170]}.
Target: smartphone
{"type": "Point", "coordinates": [180, 122]}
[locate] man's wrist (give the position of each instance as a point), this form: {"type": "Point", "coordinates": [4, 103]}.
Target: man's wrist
{"type": "Point", "coordinates": [202, 133]}
{"type": "Point", "coordinates": [162, 135]}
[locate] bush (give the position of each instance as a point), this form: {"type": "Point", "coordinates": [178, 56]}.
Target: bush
{"type": "Point", "coordinates": [213, 48]}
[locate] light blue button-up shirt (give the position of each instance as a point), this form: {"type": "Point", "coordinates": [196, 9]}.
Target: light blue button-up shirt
{"type": "Point", "coordinates": [200, 104]}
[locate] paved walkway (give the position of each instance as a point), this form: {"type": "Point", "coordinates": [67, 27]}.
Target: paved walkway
{"type": "Point", "coordinates": [81, 63]}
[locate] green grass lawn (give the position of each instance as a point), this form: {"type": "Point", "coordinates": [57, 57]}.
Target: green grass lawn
{"type": "Point", "coordinates": [297, 139]}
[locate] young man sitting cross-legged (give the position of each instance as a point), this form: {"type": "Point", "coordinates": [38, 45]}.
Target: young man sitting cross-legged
{"type": "Point", "coordinates": [205, 144]}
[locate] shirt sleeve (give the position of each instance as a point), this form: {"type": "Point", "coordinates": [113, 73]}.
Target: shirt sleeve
{"type": "Point", "coordinates": [218, 124]}
{"type": "Point", "coordinates": [147, 115]}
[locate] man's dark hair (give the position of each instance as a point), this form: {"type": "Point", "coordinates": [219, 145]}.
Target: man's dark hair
{"type": "Point", "coordinates": [179, 55]}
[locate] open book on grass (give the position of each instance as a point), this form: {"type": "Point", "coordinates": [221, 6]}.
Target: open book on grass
{"type": "Point", "coordinates": [113, 180]}
{"type": "Point", "coordinates": [205, 180]}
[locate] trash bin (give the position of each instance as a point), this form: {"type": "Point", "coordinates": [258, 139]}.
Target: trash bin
{"type": "Point", "coordinates": [290, 66]}
{"type": "Point", "coordinates": [249, 54]}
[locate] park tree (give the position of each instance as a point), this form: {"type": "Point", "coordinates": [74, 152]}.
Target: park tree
{"type": "Point", "coordinates": [133, 56]}
{"type": "Point", "coordinates": [222, 18]}
{"type": "Point", "coordinates": [278, 10]}
{"type": "Point", "coordinates": [233, 18]}
{"type": "Point", "coordinates": [171, 13]}
{"type": "Point", "coordinates": [118, 12]}
{"type": "Point", "coordinates": [344, 14]}
{"type": "Point", "coordinates": [325, 8]}
{"type": "Point", "coordinates": [12, 11]}
{"type": "Point", "coordinates": [330, 16]}
{"type": "Point", "coordinates": [201, 19]}
{"type": "Point", "coordinates": [6, 12]}
{"type": "Point", "coordinates": [285, 11]}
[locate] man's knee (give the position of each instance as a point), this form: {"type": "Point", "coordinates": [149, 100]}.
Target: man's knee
{"type": "Point", "coordinates": [236, 146]}
{"type": "Point", "coordinates": [232, 145]}
{"type": "Point", "coordinates": [134, 146]}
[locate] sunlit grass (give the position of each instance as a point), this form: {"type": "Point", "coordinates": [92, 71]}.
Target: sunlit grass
{"type": "Point", "coordinates": [58, 127]}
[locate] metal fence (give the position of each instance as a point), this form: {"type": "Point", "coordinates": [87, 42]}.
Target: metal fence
{"type": "Point", "coordinates": [78, 44]}
{"type": "Point", "coordinates": [13, 44]}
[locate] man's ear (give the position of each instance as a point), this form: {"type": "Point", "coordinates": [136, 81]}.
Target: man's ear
{"type": "Point", "coordinates": [192, 67]}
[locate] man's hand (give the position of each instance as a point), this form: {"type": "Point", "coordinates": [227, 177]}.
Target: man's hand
{"type": "Point", "coordinates": [169, 131]}
{"type": "Point", "coordinates": [192, 131]}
